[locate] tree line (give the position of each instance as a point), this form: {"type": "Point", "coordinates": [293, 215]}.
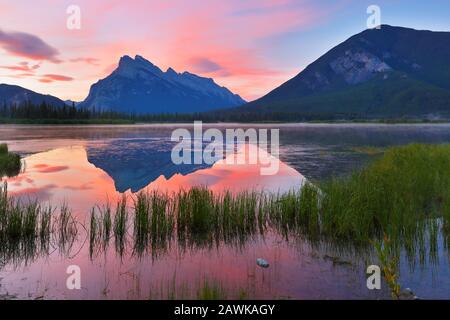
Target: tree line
{"type": "Point", "coordinates": [60, 113]}
{"type": "Point", "coordinates": [44, 110]}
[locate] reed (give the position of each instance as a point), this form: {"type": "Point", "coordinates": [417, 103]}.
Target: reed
{"type": "Point", "coordinates": [24, 229]}
{"type": "Point", "coordinates": [120, 225]}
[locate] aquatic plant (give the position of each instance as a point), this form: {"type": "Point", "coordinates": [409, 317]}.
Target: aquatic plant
{"type": "Point", "coordinates": [397, 195]}
{"type": "Point", "coordinates": [10, 163]}
{"type": "Point", "coordinates": [120, 225]}
{"type": "Point", "coordinates": [389, 261]}
{"type": "Point", "coordinates": [27, 229]}
{"type": "Point", "coordinates": [66, 229]}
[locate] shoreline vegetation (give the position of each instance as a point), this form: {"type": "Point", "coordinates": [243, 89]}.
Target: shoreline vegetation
{"type": "Point", "coordinates": [28, 113]}
{"type": "Point", "coordinates": [10, 163]}
{"type": "Point", "coordinates": [158, 119]}
{"type": "Point", "coordinates": [400, 203]}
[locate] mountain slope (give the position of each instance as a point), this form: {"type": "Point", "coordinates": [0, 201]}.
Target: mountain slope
{"type": "Point", "coordinates": [11, 94]}
{"type": "Point", "coordinates": [138, 86]}
{"type": "Point", "coordinates": [391, 72]}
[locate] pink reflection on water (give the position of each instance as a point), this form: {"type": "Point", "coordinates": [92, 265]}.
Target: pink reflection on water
{"type": "Point", "coordinates": [66, 176]}
{"type": "Point", "coordinates": [293, 272]}
{"type": "Point", "coordinates": [231, 174]}
{"type": "Point", "coordinates": [63, 176]}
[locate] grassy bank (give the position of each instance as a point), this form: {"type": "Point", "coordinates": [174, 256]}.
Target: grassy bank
{"type": "Point", "coordinates": [10, 163]}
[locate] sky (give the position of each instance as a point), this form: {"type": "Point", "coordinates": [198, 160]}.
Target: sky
{"type": "Point", "coordinates": [248, 46]}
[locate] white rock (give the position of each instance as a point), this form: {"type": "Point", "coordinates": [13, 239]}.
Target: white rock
{"type": "Point", "coordinates": [262, 263]}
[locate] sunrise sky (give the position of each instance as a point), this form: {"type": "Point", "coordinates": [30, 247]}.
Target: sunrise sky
{"type": "Point", "coordinates": [249, 46]}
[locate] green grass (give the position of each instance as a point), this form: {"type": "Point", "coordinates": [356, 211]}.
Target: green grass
{"type": "Point", "coordinates": [27, 229]}
{"type": "Point", "coordinates": [396, 196]}
{"type": "Point", "coordinates": [10, 163]}
{"type": "Point", "coordinates": [120, 225]}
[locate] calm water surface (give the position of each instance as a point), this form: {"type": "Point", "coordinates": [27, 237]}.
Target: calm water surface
{"type": "Point", "coordinates": [85, 166]}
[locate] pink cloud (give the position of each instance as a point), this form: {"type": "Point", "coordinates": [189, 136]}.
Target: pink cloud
{"type": "Point", "coordinates": [92, 61]}
{"type": "Point", "coordinates": [51, 169]}
{"type": "Point", "coordinates": [44, 168]}
{"type": "Point", "coordinates": [230, 41]}
{"type": "Point", "coordinates": [22, 66]}
{"type": "Point", "coordinates": [54, 77]}
{"type": "Point", "coordinates": [205, 65]}
{"type": "Point", "coordinates": [27, 45]}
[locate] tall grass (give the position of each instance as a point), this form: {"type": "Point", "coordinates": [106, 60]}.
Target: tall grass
{"type": "Point", "coordinates": [27, 228]}
{"type": "Point", "coordinates": [120, 225]}
{"type": "Point", "coordinates": [153, 222]}
{"type": "Point", "coordinates": [398, 195]}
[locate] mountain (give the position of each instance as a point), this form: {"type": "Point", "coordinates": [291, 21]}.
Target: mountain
{"type": "Point", "coordinates": [11, 94]}
{"type": "Point", "coordinates": [138, 86]}
{"type": "Point", "coordinates": [71, 103]}
{"type": "Point", "coordinates": [379, 73]}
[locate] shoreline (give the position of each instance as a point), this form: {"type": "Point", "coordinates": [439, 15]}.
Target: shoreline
{"type": "Point", "coordinates": [184, 123]}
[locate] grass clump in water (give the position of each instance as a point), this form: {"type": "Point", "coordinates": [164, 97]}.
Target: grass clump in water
{"type": "Point", "coordinates": [120, 225]}
{"type": "Point", "coordinates": [27, 229]}
{"type": "Point", "coordinates": [153, 221]}
{"type": "Point", "coordinates": [10, 163]}
{"type": "Point", "coordinates": [396, 196]}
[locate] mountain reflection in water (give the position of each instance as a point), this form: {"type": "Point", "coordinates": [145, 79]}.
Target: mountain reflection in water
{"type": "Point", "coordinates": [66, 175]}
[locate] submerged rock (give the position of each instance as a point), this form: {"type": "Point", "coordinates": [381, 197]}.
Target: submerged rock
{"type": "Point", "coordinates": [262, 263]}
{"type": "Point", "coordinates": [408, 294]}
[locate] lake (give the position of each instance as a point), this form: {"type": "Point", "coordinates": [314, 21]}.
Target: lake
{"type": "Point", "coordinates": [88, 166]}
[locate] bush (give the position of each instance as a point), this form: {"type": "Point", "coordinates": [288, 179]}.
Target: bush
{"type": "Point", "coordinates": [10, 163]}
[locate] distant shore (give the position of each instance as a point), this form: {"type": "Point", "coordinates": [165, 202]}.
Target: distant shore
{"type": "Point", "coordinates": [137, 122]}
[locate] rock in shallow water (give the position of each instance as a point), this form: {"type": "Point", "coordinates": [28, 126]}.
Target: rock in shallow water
{"type": "Point", "coordinates": [408, 294]}
{"type": "Point", "coordinates": [262, 263]}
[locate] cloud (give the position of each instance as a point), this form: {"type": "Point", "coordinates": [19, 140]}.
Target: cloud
{"type": "Point", "coordinates": [205, 65]}
{"type": "Point", "coordinates": [28, 46]}
{"type": "Point", "coordinates": [50, 169]}
{"type": "Point", "coordinates": [20, 75]}
{"type": "Point", "coordinates": [22, 66]}
{"type": "Point", "coordinates": [92, 61]}
{"type": "Point", "coordinates": [46, 78]}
